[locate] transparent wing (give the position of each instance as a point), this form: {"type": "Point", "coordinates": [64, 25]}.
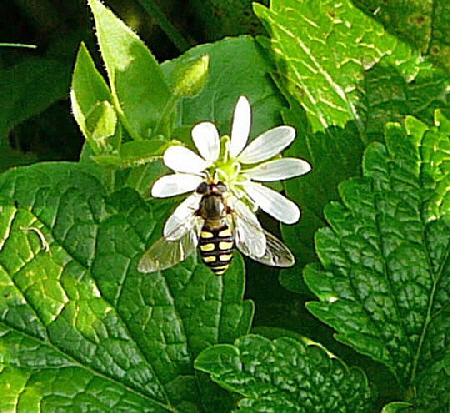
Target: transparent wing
{"type": "Point", "coordinates": [252, 240]}
{"type": "Point", "coordinates": [164, 254]}
{"type": "Point", "coordinates": [179, 241]}
{"type": "Point", "coordinates": [276, 254]}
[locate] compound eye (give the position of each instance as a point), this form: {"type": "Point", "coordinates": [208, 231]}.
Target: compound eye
{"type": "Point", "coordinates": [221, 187]}
{"type": "Point", "coordinates": [202, 188]}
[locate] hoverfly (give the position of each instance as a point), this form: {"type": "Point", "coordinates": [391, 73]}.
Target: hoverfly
{"type": "Point", "coordinates": [216, 221]}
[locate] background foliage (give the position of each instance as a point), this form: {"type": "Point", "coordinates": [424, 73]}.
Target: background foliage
{"type": "Point", "coordinates": [360, 324]}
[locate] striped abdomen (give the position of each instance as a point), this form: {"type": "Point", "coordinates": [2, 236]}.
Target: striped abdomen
{"type": "Point", "coordinates": [216, 247]}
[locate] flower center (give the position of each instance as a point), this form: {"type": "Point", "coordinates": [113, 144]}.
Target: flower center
{"type": "Point", "coordinates": [226, 168]}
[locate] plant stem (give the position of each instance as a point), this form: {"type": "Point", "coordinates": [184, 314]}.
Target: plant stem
{"type": "Point", "coordinates": [172, 33]}
{"type": "Point", "coordinates": [165, 116]}
{"type": "Point", "coordinates": [28, 46]}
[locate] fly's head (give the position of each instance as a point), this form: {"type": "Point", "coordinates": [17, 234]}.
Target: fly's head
{"type": "Point", "coordinates": [212, 187]}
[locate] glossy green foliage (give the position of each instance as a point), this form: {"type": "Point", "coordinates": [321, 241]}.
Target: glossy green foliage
{"type": "Point", "coordinates": [129, 120]}
{"type": "Point", "coordinates": [92, 104]}
{"type": "Point", "coordinates": [346, 77]}
{"type": "Point", "coordinates": [81, 328]}
{"type": "Point", "coordinates": [27, 90]}
{"type": "Point", "coordinates": [422, 24]}
{"type": "Point", "coordinates": [315, 40]}
{"type": "Point", "coordinates": [29, 78]}
{"type": "Point", "coordinates": [11, 158]}
{"type": "Point", "coordinates": [285, 376]}
{"type": "Point", "coordinates": [133, 72]}
{"type": "Point", "coordinates": [383, 284]}
{"type": "Point", "coordinates": [343, 66]}
{"type": "Point", "coordinates": [228, 79]}
{"type": "Point", "coordinates": [134, 76]}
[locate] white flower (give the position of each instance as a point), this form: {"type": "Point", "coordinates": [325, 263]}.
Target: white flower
{"type": "Point", "coordinates": [226, 159]}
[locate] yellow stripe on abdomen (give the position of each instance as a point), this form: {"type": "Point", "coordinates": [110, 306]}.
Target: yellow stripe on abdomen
{"type": "Point", "coordinates": [225, 245]}
{"type": "Point", "coordinates": [206, 234]}
{"type": "Point", "coordinates": [216, 247]}
{"type": "Point", "coordinates": [225, 232]}
{"type": "Point", "coordinates": [207, 247]}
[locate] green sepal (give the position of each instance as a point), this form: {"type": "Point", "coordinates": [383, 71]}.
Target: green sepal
{"type": "Point", "coordinates": [101, 123]}
{"type": "Point", "coordinates": [88, 89]}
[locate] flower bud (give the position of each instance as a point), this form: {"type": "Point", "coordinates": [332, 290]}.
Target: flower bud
{"type": "Point", "coordinates": [191, 77]}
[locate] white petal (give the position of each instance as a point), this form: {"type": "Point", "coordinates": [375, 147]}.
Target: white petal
{"type": "Point", "coordinates": [181, 159]}
{"type": "Point", "coordinates": [279, 169]}
{"type": "Point", "coordinates": [268, 144]}
{"type": "Point", "coordinates": [273, 203]}
{"type": "Point", "coordinates": [176, 184]}
{"type": "Point", "coordinates": [181, 219]}
{"type": "Point", "coordinates": [241, 126]}
{"type": "Point", "coordinates": [206, 139]}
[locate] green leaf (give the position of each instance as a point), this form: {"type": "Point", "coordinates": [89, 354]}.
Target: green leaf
{"type": "Point", "coordinates": [397, 407]}
{"type": "Point", "coordinates": [30, 87]}
{"type": "Point", "coordinates": [421, 24]}
{"type": "Point", "coordinates": [393, 91]}
{"type": "Point", "coordinates": [334, 155]}
{"type": "Point", "coordinates": [141, 178]}
{"type": "Point", "coordinates": [143, 150]}
{"type": "Point", "coordinates": [11, 158]}
{"type": "Point", "coordinates": [285, 375]}
{"type": "Point", "coordinates": [385, 261]}
{"type": "Point", "coordinates": [80, 328]}
{"type": "Point", "coordinates": [237, 67]}
{"type": "Point", "coordinates": [138, 165]}
{"type": "Point", "coordinates": [324, 50]}
{"type": "Point", "coordinates": [411, 21]}
{"type": "Point", "coordinates": [381, 81]}
{"type": "Point", "coordinates": [136, 80]}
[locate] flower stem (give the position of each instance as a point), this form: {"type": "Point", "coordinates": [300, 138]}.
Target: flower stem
{"type": "Point", "coordinates": [28, 46]}
{"type": "Point", "coordinates": [172, 33]}
{"type": "Point", "coordinates": [163, 125]}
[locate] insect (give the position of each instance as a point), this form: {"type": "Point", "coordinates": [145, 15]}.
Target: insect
{"type": "Point", "coordinates": [216, 221]}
